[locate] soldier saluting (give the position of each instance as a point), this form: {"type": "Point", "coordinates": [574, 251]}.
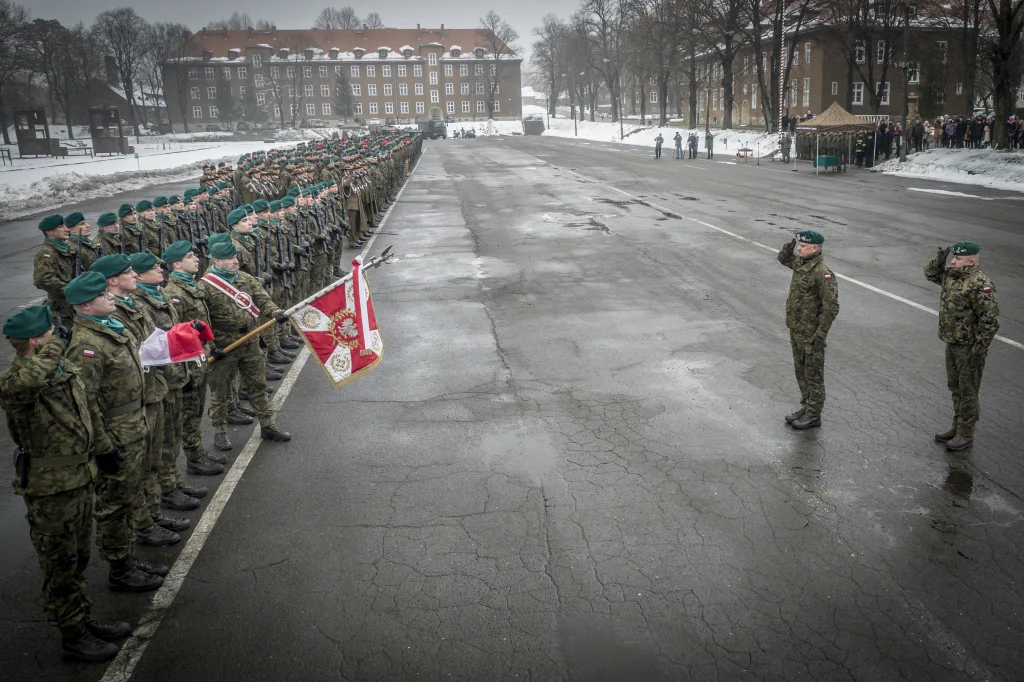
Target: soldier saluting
{"type": "Point", "coordinates": [812, 305]}
{"type": "Point", "coordinates": [968, 321]}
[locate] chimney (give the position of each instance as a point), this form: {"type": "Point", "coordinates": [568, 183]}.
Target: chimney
{"type": "Point", "coordinates": [110, 69]}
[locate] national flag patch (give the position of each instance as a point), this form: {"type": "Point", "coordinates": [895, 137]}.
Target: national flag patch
{"type": "Point", "coordinates": [46, 255]}
{"type": "Point", "coordinates": [828, 276]}
{"type": "Point", "coordinates": [987, 290]}
{"type": "Point", "coordinates": [175, 301]}
{"type": "Point", "coordinates": [88, 353]}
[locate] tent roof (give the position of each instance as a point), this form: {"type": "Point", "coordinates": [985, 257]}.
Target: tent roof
{"type": "Point", "coordinates": [836, 119]}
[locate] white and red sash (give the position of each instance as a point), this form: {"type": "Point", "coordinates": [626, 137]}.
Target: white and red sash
{"type": "Point", "coordinates": [240, 298]}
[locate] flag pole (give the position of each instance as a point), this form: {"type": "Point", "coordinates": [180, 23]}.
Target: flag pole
{"type": "Point", "coordinates": [374, 262]}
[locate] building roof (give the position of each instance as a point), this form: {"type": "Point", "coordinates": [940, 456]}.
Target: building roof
{"type": "Point", "coordinates": [835, 119]}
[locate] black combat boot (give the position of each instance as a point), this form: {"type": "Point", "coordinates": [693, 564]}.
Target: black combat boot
{"type": "Point", "coordinates": [86, 647]}
{"type": "Point", "coordinates": [273, 376]}
{"type": "Point", "coordinates": [273, 433]}
{"type": "Point", "coordinates": [204, 467]}
{"type": "Point", "coordinates": [249, 412]}
{"type": "Point", "coordinates": [196, 491]}
{"type": "Point", "coordinates": [156, 536]}
{"type": "Point", "coordinates": [278, 358]}
{"type": "Point", "coordinates": [171, 523]}
{"type": "Point", "coordinates": [807, 421]}
{"type": "Point", "coordinates": [127, 578]}
{"type": "Point", "coordinates": [236, 418]}
{"type": "Point", "coordinates": [178, 501]}
{"type": "Point", "coordinates": [946, 435]}
{"type": "Point", "coordinates": [150, 567]}
{"type": "Point", "coordinates": [108, 630]}
{"type": "Point", "coordinates": [790, 418]}
{"type": "Point", "coordinates": [222, 442]}
{"type": "Point", "coordinates": [289, 343]}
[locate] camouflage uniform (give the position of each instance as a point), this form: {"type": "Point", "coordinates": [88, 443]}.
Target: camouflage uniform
{"type": "Point", "coordinates": [48, 418]}
{"type": "Point", "coordinates": [114, 381]}
{"type": "Point", "coordinates": [108, 243]}
{"type": "Point", "coordinates": [812, 305]}
{"type": "Point", "coordinates": [190, 302]}
{"type": "Point", "coordinates": [90, 250]}
{"type": "Point", "coordinates": [53, 268]}
{"type": "Point", "coordinates": [131, 238]}
{"type": "Point", "coordinates": [968, 321]}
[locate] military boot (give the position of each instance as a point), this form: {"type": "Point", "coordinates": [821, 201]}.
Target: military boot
{"type": "Point", "coordinates": [961, 441]}
{"type": "Point", "coordinates": [289, 343]}
{"type": "Point", "coordinates": [150, 567]}
{"type": "Point", "coordinates": [244, 410]}
{"type": "Point", "coordinates": [237, 418]}
{"type": "Point", "coordinates": [278, 358]}
{"type": "Point", "coordinates": [204, 466]}
{"type": "Point", "coordinates": [178, 501]}
{"type": "Point", "coordinates": [243, 394]}
{"type": "Point", "coordinates": [273, 433]}
{"type": "Point", "coordinates": [86, 647]}
{"type": "Point", "coordinates": [171, 523]}
{"type": "Point", "coordinates": [156, 536]}
{"type": "Point", "coordinates": [790, 418]}
{"type": "Point", "coordinates": [222, 442]}
{"type": "Point", "coordinates": [807, 421]}
{"type": "Point", "coordinates": [130, 579]}
{"type": "Point", "coordinates": [196, 491]}
{"type": "Point", "coordinates": [273, 376]}
{"type": "Point", "coordinates": [108, 630]}
{"type": "Point", "coordinates": [946, 435]}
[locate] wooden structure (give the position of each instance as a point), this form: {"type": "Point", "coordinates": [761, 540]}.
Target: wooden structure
{"type": "Point", "coordinates": [834, 120]}
{"type": "Point", "coordinates": [33, 134]}
{"type": "Point", "coordinates": [107, 133]}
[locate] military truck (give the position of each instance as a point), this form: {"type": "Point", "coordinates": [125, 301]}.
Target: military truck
{"type": "Point", "coordinates": [433, 128]}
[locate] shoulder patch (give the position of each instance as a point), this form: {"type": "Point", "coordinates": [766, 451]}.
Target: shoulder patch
{"type": "Point", "coordinates": [88, 353]}
{"type": "Point", "coordinates": [986, 290]}
{"type": "Point", "coordinates": [176, 301]}
{"type": "Point", "coordinates": [828, 275]}
{"type": "Point", "coordinates": [46, 255]}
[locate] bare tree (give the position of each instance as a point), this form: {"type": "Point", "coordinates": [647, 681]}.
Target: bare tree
{"type": "Point", "coordinates": [344, 102]}
{"type": "Point", "coordinates": [600, 24]}
{"type": "Point", "coordinates": [349, 18]}
{"type": "Point", "coordinates": [373, 20]}
{"type": "Point", "coordinates": [328, 19]}
{"type": "Point", "coordinates": [124, 33]}
{"type": "Point", "coordinates": [769, 26]}
{"type": "Point", "coordinates": [13, 51]}
{"type": "Point", "coordinates": [1008, 20]}
{"type": "Point", "coordinates": [498, 38]}
{"type": "Point", "coordinates": [238, 21]}
{"type": "Point", "coordinates": [168, 41]}
{"type": "Point", "coordinates": [47, 42]}
{"type": "Point", "coordinates": [552, 41]}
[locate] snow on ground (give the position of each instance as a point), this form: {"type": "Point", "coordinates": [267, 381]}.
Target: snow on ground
{"type": "Point", "coordinates": [490, 128]}
{"type": "Point", "coordinates": [46, 183]}
{"type": "Point", "coordinates": [533, 110]}
{"type": "Point", "coordinates": [984, 167]}
{"type": "Point", "coordinates": [726, 141]}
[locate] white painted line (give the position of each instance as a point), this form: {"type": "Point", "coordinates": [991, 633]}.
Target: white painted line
{"type": "Point", "coordinates": [948, 193]}
{"type": "Point", "coordinates": [123, 667]}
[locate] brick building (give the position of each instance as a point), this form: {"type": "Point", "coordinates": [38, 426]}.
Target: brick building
{"type": "Point", "coordinates": [398, 74]}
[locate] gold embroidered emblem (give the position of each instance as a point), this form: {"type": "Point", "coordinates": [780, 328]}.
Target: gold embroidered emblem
{"type": "Point", "coordinates": [308, 319]}
{"type": "Point", "coordinates": [339, 363]}
{"type": "Point", "coordinates": [342, 329]}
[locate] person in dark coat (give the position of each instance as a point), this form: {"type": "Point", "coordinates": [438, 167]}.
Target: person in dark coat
{"type": "Point", "coordinates": [869, 153]}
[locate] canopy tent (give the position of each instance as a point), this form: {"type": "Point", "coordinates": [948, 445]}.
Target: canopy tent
{"type": "Point", "coordinates": [835, 119]}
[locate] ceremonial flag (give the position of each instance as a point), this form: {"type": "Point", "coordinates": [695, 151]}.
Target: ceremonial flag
{"type": "Point", "coordinates": [340, 328]}
{"type": "Point", "coordinates": [181, 343]}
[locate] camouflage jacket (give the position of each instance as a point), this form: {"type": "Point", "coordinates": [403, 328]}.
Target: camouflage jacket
{"type": "Point", "coordinates": [114, 383]}
{"type": "Point", "coordinates": [141, 326]}
{"type": "Point", "coordinates": [164, 316]}
{"type": "Point", "coordinates": [48, 417]}
{"type": "Point", "coordinates": [813, 301]}
{"type": "Point", "coordinates": [968, 312]}
{"type": "Point", "coordinates": [131, 237]}
{"type": "Point", "coordinates": [108, 243]}
{"type": "Point", "coordinates": [52, 270]}
{"type": "Point", "coordinates": [246, 246]}
{"type": "Point", "coordinates": [231, 322]}
{"type": "Point", "coordinates": [153, 230]}
{"type": "Point", "coordinates": [90, 249]}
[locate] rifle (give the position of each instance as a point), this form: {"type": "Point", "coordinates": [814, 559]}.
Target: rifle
{"type": "Point", "coordinates": [257, 265]}
{"type": "Point", "coordinates": [78, 259]}
{"type": "Point", "coordinates": [266, 254]}
{"type": "Point", "coordinates": [177, 226]}
{"type": "Point", "coordinates": [161, 241]}
{"type": "Point", "coordinates": [143, 242]}
{"type": "Point", "coordinates": [287, 275]}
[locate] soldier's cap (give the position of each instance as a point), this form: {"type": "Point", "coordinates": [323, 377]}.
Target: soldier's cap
{"type": "Point", "coordinates": [173, 199]}
{"type": "Point", "coordinates": [51, 222]}
{"type": "Point", "coordinates": [86, 287]}
{"type": "Point", "coordinates": [106, 219]}
{"type": "Point", "coordinates": [288, 201]}
{"type": "Point", "coordinates": [305, 193]}
{"type": "Point", "coordinates": [211, 190]}
{"type": "Point", "coordinates": [223, 249]}
{"type": "Point", "coordinates": [221, 185]}
{"type": "Point", "coordinates": [176, 251]}
{"type": "Point", "coordinates": [810, 237]}
{"type": "Point", "coordinates": [275, 205]}
{"type": "Point", "coordinates": [235, 215]}
{"type": "Point", "coordinates": [294, 191]}
{"type": "Point", "coordinates": [111, 265]}
{"type": "Point", "coordinates": [160, 201]}
{"type": "Point", "coordinates": [247, 208]}
{"type": "Point", "coordinates": [29, 323]}
{"type": "Point", "coordinates": [143, 261]}
{"type": "Point", "coordinates": [261, 205]}
{"type": "Point", "coordinates": [189, 193]}
{"type": "Point", "coordinates": [217, 238]}
{"type": "Point", "coordinates": [965, 249]}
{"type": "Point", "coordinates": [220, 165]}
{"type": "Point", "coordinates": [143, 205]}
{"type": "Point", "coordinates": [72, 219]}
{"type": "Point", "coordinates": [125, 209]}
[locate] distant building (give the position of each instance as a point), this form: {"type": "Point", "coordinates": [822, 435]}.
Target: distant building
{"type": "Point", "coordinates": [529, 96]}
{"type": "Point", "coordinates": [396, 74]}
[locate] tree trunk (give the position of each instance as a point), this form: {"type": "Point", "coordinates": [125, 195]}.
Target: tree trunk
{"type": "Point", "coordinates": [693, 88]}
{"type": "Point", "coordinates": [663, 100]}
{"type": "Point", "coordinates": [3, 116]}
{"type": "Point", "coordinates": [593, 103]}
{"type": "Point", "coordinates": [727, 83]}
{"type": "Point", "coordinates": [643, 102]}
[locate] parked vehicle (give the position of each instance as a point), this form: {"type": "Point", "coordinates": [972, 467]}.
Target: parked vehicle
{"type": "Point", "coordinates": [213, 128]}
{"type": "Point", "coordinates": [243, 125]}
{"type": "Point", "coordinates": [271, 126]}
{"type": "Point", "coordinates": [433, 128]}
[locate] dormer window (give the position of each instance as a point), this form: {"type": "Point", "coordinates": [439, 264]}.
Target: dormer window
{"type": "Point", "coordinates": [382, 52]}
{"type": "Point", "coordinates": [479, 52]}
{"type": "Point", "coordinates": [407, 52]}
{"type": "Point", "coordinates": [456, 51]}
{"type": "Point", "coordinates": [309, 53]}
{"type": "Point", "coordinates": [358, 52]}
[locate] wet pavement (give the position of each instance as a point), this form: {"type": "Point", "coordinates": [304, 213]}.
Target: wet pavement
{"type": "Point", "coordinates": [572, 462]}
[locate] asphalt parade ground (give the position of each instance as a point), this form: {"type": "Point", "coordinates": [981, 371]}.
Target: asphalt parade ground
{"type": "Point", "coordinates": [572, 462]}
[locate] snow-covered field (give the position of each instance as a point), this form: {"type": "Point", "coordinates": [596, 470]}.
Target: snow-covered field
{"type": "Point", "coordinates": [984, 167]}
{"type": "Point", "coordinates": [726, 141]}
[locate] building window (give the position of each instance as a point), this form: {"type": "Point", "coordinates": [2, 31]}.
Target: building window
{"type": "Point", "coordinates": [371, 90]}
{"type": "Point", "coordinates": [419, 107]}
{"type": "Point", "coordinates": [1020, 95]}
{"type": "Point", "coordinates": [465, 107]}
{"type": "Point", "coordinates": [277, 112]}
{"type": "Point", "coordinates": [213, 112]}
{"type": "Point", "coordinates": [241, 92]}
{"type": "Point", "coordinates": [434, 97]}
{"type": "Point", "coordinates": [418, 88]}
{"type": "Point", "coordinates": [389, 107]}
{"type": "Point", "coordinates": [359, 109]}
{"type": "Point", "coordinates": [291, 91]}
{"type": "Point", "coordinates": [356, 90]}
{"type": "Point", "coordinates": [432, 59]}
{"type": "Point", "coordinates": [479, 88]}
{"type": "Point", "coordinates": [464, 87]}
{"type": "Point", "coordinates": [807, 53]}
{"type": "Point", "coordinates": [275, 72]}
{"type": "Point", "coordinates": [325, 90]}
{"type": "Point", "coordinates": [373, 107]}
{"type": "Point", "coordinates": [295, 110]}
{"type": "Point", "coordinates": [197, 112]}
{"type": "Point", "coordinates": [403, 89]}
{"type": "Point", "coordinates": [194, 93]}
{"type": "Point", "coordinates": [257, 80]}
{"type": "Point", "coordinates": [307, 71]}
{"type": "Point", "coordinates": [290, 73]}
{"type": "Point", "coordinates": [402, 71]}
{"type": "Point", "coordinates": [883, 93]}
{"type": "Point", "coordinates": [796, 56]}
{"type": "Point", "coordinates": [308, 90]}
{"type": "Point", "coordinates": [942, 49]}
{"type": "Point", "coordinates": [211, 93]}
{"type": "Point", "coordinates": [479, 69]}
{"type": "Point", "coordinates": [913, 72]}
{"type": "Point", "coordinates": [226, 72]}
{"type": "Point", "coordinates": [859, 52]}
{"type": "Point", "coordinates": [257, 61]}
{"type": "Point", "coordinates": [494, 70]}
{"type": "Point", "coordinates": [193, 74]}
{"type": "Point", "coordinates": [371, 71]}
{"type": "Point", "coordinates": [323, 72]}
{"type": "Point", "coordinates": [449, 107]}
{"type": "Point", "coordinates": [354, 71]}
{"type": "Point", "coordinates": [417, 70]}
{"type": "Point", "coordinates": [753, 96]}
{"type": "Point", "coordinates": [654, 96]}
{"type": "Point", "coordinates": [463, 69]}
{"type": "Point", "coordinates": [209, 72]}
{"type": "Point", "coordinates": [326, 108]}
{"type": "Point", "coordinates": [480, 108]}
{"type": "Point", "coordinates": [433, 77]}
{"type": "Point", "coordinates": [714, 99]}
{"type": "Point", "coordinates": [403, 107]}
{"type": "Point", "coordinates": [807, 92]}
{"type": "Point", "coordinates": [387, 90]}
{"type": "Point", "coordinates": [959, 88]}
{"type": "Point", "coordinates": [310, 109]}
{"type": "Point", "coordinates": [337, 70]}
{"type": "Point", "coordinates": [835, 87]}
{"type": "Point", "coordinates": [243, 73]}
{"type": "Point", "coordinates": [858, 93]}
{"type": "Point", "coordinates": [261, 99]}
{"type": "Point", "coordinates": [496, 105]}
{"type": "Point", "coordinates": [447, 70]}
{"type": "Point", "coordinates": [386, 71]}
{"type": "Point", "coordinates": [880, 52]}
{"type": "Point", "coordinates": [449, 88]}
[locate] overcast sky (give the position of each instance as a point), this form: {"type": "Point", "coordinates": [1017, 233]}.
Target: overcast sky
{"type": "Point", "coordinates": [523, 15]}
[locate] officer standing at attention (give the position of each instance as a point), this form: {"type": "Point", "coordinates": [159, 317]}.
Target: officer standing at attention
{"type": "Point", "coordinates": [48, 418]}
{"type": "Point", "coordinates": [79, 240]}
{"type": "Point", "coordinates": [107, 355]}
{"type": "Point", "coordinates": [110, 234]}
{"type": "Point", "coordinates": [968, 321]}
{"type": "Point", "coordinates": [54, 265]}
{"type": "Point", "coordinates": [812, 305]}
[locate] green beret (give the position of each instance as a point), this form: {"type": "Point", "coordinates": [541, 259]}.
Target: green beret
{"type": "Point", "coordinates": [288, 202]}
{"type": "Point", "coordinates": [305, 193]}
{"type": "Point", "coordinates": [176, 251]}
{"type": "Point", "coordinates": [189, 193]}
{"type": "Point", "coordinates": [143, 205]}
{"type": "Point", "coordinates": [275, 205]}
{"type": "Point", "coordinates": [51, 222]}
{"type": "Point", "coordinates": [125, 209]}
{"type": "Point", "coordinates": [247, 208]}
{"type": "Point", "coordinates": [293, 192]}
{"type": "Point", "coordinates": [210, 191]}
{"type": "Point", "coordinates": [222, 185]}
{"type": "Point", "coordinates": [217, 238]}
{"type": "Point", "coordinates": [260, 205]}
{"type": "Point", "coordinates": [965, 249]}
{"type": "Point", "coordinates": [72, 219]}
{"type": "Point", "coordinates": [159, 201]}
{"type": "Point", "coordinates": [111, 265]}
{"type": "Point", "coordinates": [220, 165]}
{"type": "Point", "coordinates": [143, 261]}
{"type": "Point", "coordinates": [234, 216]}
{"type": "Point", "coordinates": [85, 287]}
{"type": "Point", "coordinates": [29, 323]}
{"type": "Point", "coordinates": [173, 199]}
{"type": "Point", "coordinates": [810, 237]}
{"type": "Point", "coordinates": [106, 219]}
{"type": "Point", "coordinates": [223, 249]}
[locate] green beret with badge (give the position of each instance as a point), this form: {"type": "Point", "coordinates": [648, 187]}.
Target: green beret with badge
{"type": "Point", "coordinates": [176, 251]}
{"type": "Point", "coordinates": [288, 202]}
{"type": "Point", "coordinates": [260, 205]}
{"type": "Point", "coordinates": [223, 249]}
{"type": "Point", "coordinates": [125, 209]}
{"type": "Point", "coordinates": [106, 219]}
{"type": "Point", "coordinates": [143, 205]}
{"type": "Point", "coordinates": [810, 237]}
{"type": "Point", "coordinates": [235, 216]}
{"type": "Point", "coordinates": [85, 287]}
{"type": "Point", "coordinates": [275, 205]}
{"type": "Point", "coordinates": [143, 261]}
{"type": "Point", "coordinates": [965, 249]}
{"type": "Point", "coordinates": [30, 323]}
{"type": "Point", "coordinates": [72, 219]}
{"type": "Point", "coordinates": [159, 201]}
{"type": "Point", "coordinates": [173, 199]}
{"type": "Point", "coordinates": [51, 222]}
{"type": "Point", "coordinates": [111, 265]}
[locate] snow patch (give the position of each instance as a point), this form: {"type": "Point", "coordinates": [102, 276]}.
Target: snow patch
{"type": "Point", "coordinates": [982, 167]}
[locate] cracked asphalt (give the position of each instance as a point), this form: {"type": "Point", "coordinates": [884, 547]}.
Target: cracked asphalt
{"type": "Point", "coordinates": [572, 463]}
